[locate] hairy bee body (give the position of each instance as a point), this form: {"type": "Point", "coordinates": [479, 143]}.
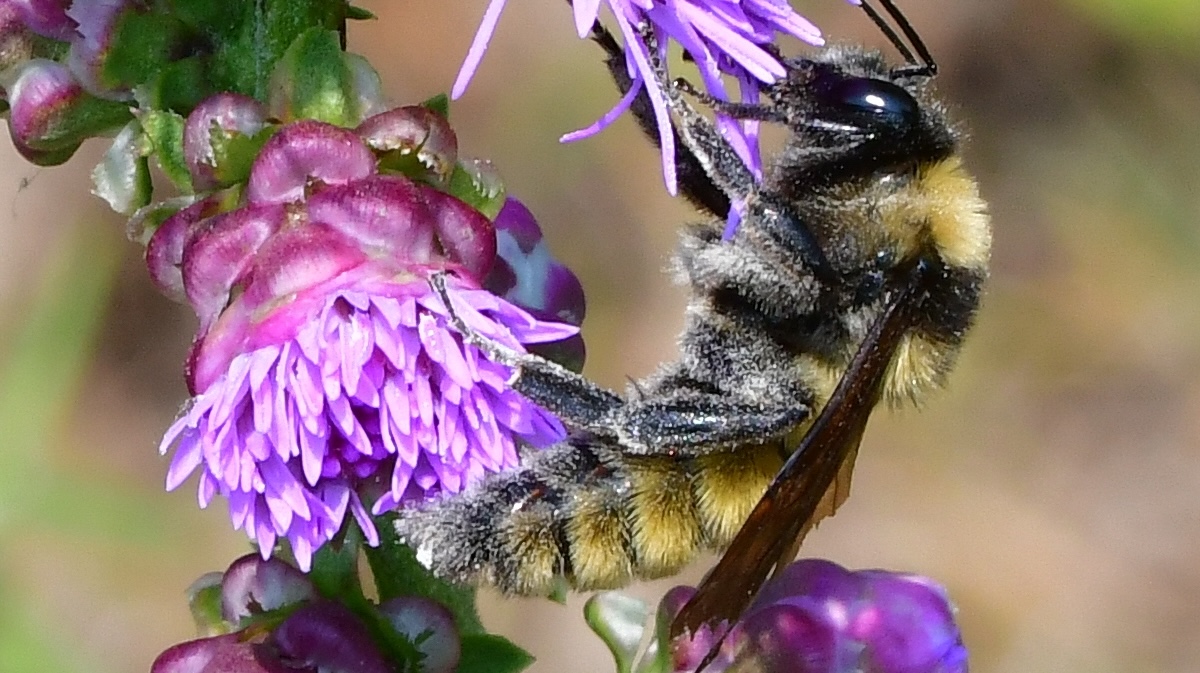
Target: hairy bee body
{"type": "Point", "coordinates": [646, 482]}
{"type": "Point", "coordinates": [594, 516]}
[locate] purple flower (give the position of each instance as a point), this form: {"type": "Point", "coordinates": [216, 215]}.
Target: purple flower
{"type": "Point", "coordinates": [318, 637]}
{"type": "Point", "coordinates": [526, 274]}
{"type": "Point", "coordinates": [327, 377]}
{"type": "Point", "coordinates": [818, 617]}
{"type": "Point", "coordinates": [283, 625]}
{"type": "Point", "coordinates": [724, 37]}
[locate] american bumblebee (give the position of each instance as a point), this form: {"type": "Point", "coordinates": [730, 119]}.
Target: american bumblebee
{"type": "Point", "coordinates": [853, 277]}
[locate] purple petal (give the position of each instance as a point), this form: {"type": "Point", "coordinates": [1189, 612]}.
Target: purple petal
{"type": "Point", "coordinates": [478, 46]}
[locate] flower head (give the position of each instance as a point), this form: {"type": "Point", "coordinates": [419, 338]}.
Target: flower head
{"type": "Point", "coordinates": [818, 617]}
{"type": "Point", "coordinates": [327, 378]}
{"type": "Point", "coordinates": [724, 37]}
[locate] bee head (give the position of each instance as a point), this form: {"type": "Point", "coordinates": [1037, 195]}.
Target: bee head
{"type": "Point", "coordinates": [852, 114]}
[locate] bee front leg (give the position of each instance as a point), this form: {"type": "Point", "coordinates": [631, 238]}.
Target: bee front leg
{"type": "Point", "coordinates": [578, 403]}
{"type": "Point", "coordinates": [694, 182]}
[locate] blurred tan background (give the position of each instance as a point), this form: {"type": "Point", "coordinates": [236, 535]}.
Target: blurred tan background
{"type": "Point", "coordinates": [1055, 487]}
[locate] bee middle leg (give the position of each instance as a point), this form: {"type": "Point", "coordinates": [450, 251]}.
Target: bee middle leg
{"type": "Point", "coordinates": [701, 423]}
{"type": "Point", "coordinates": [683, 422]}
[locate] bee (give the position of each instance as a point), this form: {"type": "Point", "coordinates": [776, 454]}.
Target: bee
{"type": "Point", "coordinates": [853, 277]}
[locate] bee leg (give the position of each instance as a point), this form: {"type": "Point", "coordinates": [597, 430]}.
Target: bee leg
{"type": "Point", "coordinates": [694, 182]}
{"type": "Point", "coordinates": [715, 156]}
{"type": "Point", "coordinates": [700, 424]}
{"type": "Point", "coordinates": [579, 403]}
{"type": "Point", "coordinates": [727, 172]}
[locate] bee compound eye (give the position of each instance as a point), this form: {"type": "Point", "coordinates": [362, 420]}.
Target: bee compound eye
{"type": "Point", "coordinates": [866, 100]}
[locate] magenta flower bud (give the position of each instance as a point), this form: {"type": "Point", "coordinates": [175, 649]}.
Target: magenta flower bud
{"type": "Point", "coordinates": [431, 626]}
{"type": "Point", "coordinates": [47, 18]}
{"type": "Point", "coordinates": [788, 636]}
{"type": "Point", "coordinates": [416, 132]}
{"type": "Point", "coordinates": [97, 22]}
{"type": "Point", "coordinates": [40, 100]}
{"type": "Point", "coordinates": [209, 129]}
{"type": "Point", "coordinates": [164, 249]}
{"type": "Point", "coordinates": [218, 253]}
{"type": "Point", "coordinates": [908, 626]}
{"type": "Point", "coordinates": [326, 637]}
{"type": "Point", "coordinates": [818, 617]}
{"type": "Point", "coordinates": [50, 115]}
{"type": "Point", "coordinates": [686, 652]}
{"type": "Point", "coordinates": [305, 154]}
{"type": "Point", "coordinates": [251, 586]}
{"type": "Point", "coordinates": [220, 654]}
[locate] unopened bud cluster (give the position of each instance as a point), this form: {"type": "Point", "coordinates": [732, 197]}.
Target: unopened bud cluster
{"type": "Point", "coordinates": [267, 617]}
{"type": "Point", "coordinates": [51, 54]}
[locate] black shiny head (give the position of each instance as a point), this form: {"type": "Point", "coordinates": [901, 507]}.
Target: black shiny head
{"type": "Point", "coordinates": [853, 114]}
{"type": "Point", "coordinates": [863, 102]}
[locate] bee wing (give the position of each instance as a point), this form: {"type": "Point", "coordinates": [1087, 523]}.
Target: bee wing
{"type": "Point", "coordinates": [793, 501]}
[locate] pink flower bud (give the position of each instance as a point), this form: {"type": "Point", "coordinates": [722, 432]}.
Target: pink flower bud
{"type": "Point", "coordinates": [208, 131]}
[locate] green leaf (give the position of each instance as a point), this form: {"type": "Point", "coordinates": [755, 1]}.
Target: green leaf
{"type": "Point", "coordinates": [620, 621]}
{"type": "Point", "coordinates": [312, 81]}
{"type": "Point", "coordinates": [122, 178]}
{"type": "Point", "coordinates": [234, 153]}
{"type": "Point", "coordinates": [212, 17]}
{"type": "Point", "coordinates": [204, 602]}
{"type": "Point", "coordinates": [164, 129]}
{"type": "Point", "coordinates": [486, 653]}
{"type": "Point", "coordinates": [439, 104]}
{"type": "Point", "coordinates": [398, 573]}
{"type": "Point", "coordinates": [246, 53]}
{"type": "Point", "coordinates": [478, 184]}
{"type": "Point", "coordinates": [179, 86]}
{"type": "Point", "coordinates": [358, 13]}
{"type": "Point", "coordinates": [142, 46]}
{"type": "Point", "coordinates": [335, 567]}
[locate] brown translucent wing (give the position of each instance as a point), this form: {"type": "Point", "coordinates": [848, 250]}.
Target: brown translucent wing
{"type": "Point", "coordinates": [791, 501]}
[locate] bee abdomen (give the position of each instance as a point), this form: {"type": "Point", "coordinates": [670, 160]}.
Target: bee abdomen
{"type": "Point", "coordinates": [585, 513]}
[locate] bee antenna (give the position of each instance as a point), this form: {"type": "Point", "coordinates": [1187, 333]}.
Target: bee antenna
{"type": "Point", "coordinates": [925, 66]}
